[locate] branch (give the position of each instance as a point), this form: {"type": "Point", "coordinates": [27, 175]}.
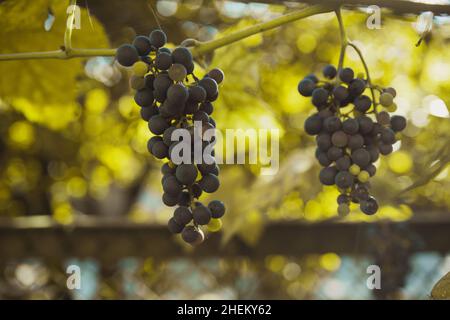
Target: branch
{"type": "Point", "coordinates": [239, 35]}
{"type": "Point", "coordinates": [201, 49]}
{"type": "Point", "coordinates": [400, 7]}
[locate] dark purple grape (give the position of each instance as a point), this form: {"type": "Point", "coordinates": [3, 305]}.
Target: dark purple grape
{"type": "Point", "coordinates": [158, 38]}
{"type": "Point", "coordinates": [142, 45]}
{"type": "Point", "coordinates": [369, 206]}
{"type": "Point", "coordinates": [127, 55]}
{"type": "Point", "coordinates": [329, 71]}
{"type": "Point", "coordinates": [398, 123]}
{"type": "Point", "coordinates": [346, 75]}
{"type": "Point", "coordinates": [344, 179]}
{"type": "Point", "coordinates": [313, 124]}
{"type": "Point", "coordinates": [306, 87]}
{"type": "Point", "coordinates": [327, 175]}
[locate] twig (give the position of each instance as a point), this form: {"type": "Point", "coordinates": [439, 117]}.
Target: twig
{"type": "Point", "coordinates": [201, 49]}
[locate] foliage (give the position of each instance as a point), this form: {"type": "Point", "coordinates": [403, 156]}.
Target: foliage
{"type": "Point", "coordinates": [72, 145]}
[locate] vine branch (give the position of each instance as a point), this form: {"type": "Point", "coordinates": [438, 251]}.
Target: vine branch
{"type": "Point", "coordinates": [67, 52]}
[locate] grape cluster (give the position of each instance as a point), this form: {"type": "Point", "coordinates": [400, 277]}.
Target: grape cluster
{"type": "Point", "coordinates": [172, 97]}
{"type": "Point", "coordinates": [350, 131]}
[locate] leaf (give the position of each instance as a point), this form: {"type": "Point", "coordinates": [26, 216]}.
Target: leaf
{"type": "Point", "coordinates": [441, 290]}
{"type": "Point", "coordinates": [22, 30]}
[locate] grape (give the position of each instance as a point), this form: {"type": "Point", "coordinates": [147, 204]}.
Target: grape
{"type": "Point", "coordinates": [385, 149]}
{"type": "Point", "coordinates": [354, 169]}
{"type": "Point", "coordinates": [197, 94]}
{"type": "Point", "coordinates": [137, 83]}
{"type": "Point", "coordinates": [323, 141]}
{"type": "Point", "coordinates": [209, 183]}
{"type": "Point", "coordinates": [162, 83]}
{"type": "Point", "coordinates": [398, 123]}
{"type": "Point", "coordinates": [346, 75]}
{"type": "Point", "coordinates": [140, 68]}
{"type": "Point", "coordinates": [343, 163]}
{"type": "Point", "coordinates": [319, 97]}
{"type": "Point", "coordinates": [177, 93]}
{"type": "Point", "coordinates": [361, 157]}
{"type": "Point", "coordinates": [343, 209]}
{"type": "Point", "coordinates": [355, 141]}
{"type": "Point", "coordinates": [354, 132]}
{"type": "Point", "coordinates": [164, 49]}
{"type": "Point", "coordinates": [196, 190]}
{"type": "Point", "coordinates": [167, 169]}
{"type": "Point", "coordinates": [186, 173]}
{"type": "Point", "coordinates": [339, 139]}
{"type": "Point", "coordinates": [369, 206]}
{"type": "Point", "coordinates": [170, 100]}
{"type": "Point", "coordinates": [387, 136]}
{"type": "Point", "coordinates": [177, 72]}
{"type": "Point", "coordinates": [163, 61]}
{"type": "Point", "coordinates": [158, 38]}
{"type": "Point", "coordinates": [350, 126]}
{"type": "Point", "coordinates": [190, 107]}
{"type": "Point", "coordinates": [127, 55]}
{"type": "Point", "coordinates": [210, 86]}
{"type": "Point", "coordinates": [343, 179]}
{"type": "Point", "coordinates": [217, 209]}
{"type": "Point", "coordinates": [182, 215]}
{"type": "Point", "coordinates": [306, 87]}
{"type": "Point", "coordinates": [386, 99]}
{"type": "Point", "coordinates": [313, 124]}
{"type": "Point", "coordinates": [365, 124]}
{"type": "Point", "coordinates": [334, 153]}
{"type": "Point", "coordinates": [167, 135]}
{"type": "Point", "coordinates": [373, 152]}
{"type": "Point", "coordinates": [312, 77]}
{"type": "Point", "coordinates": [201, 214]}
{"type": "Point", "coordinates": [322, 157]}
{"type": "Point", "coordinates": [340, 93]}
{"type": "Point", "coordinates": [157, 124]}
{"type": "Point", "coordinates": [201, 116]}
{"type": "Point", "coordinates": [190, 67]}
{"type": "Point", "coordinates": [190, 234]}
{"type": "Point", "coordinates": [332, 124]}
{"type": "Point", "coordinates": [356, 87]}
{"type": "Point", "coordinates": [144, 97]}
{"type": "Point", "coordinates": [151, 142]}
{"type": "Point", "coordinates": [329, 71]}
{"type": "Point", "coordinates": [362, 103]}
{"type": "Point", "coordinates": [169, 200]}
{"type": "Point", "coordinates": [360, 193]}
{"type": "Point", "coordinates": [327, 175]}
{"type": "Point", "coordinates": [148, 79]}
{"type": "Point", "coordinates": [174, 227]}
{"type": "Point", "coordinates": [217, 75]}
{"type": "Point", "coordinates": [184, 199]}
{"type": "Point", "coordinates": [363, 176]}
{"type": "Point", "coordinates": [383, 118]}
{"type": "Point", "coordinates": [160, 150]}
{"type": "Point", "coordinates": [391, 91]}
{"type": "Point", "coordinates": [371, 169]}
{"type": "Point", "coordinates": [207, 107]}
{"type": "Point", "coordinates": [343, 198]}
{"type": "Point", "coordinates": [182, 55]}
{"type": "Point", "coordinates": [142, 45]}
{"type": "Point", "coordinates": [171, 185]}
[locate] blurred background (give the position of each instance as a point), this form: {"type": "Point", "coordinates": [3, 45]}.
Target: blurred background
{"type": "Point", "coordinates": [78, 187]}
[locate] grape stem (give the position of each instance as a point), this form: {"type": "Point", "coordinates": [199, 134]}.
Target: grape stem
{"type": "Point", "coordinates": [69, 28]}
{"type": "Point", "coordinates": [67, 52]}
{"type": "Point", "coordinates": [346, 43]}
